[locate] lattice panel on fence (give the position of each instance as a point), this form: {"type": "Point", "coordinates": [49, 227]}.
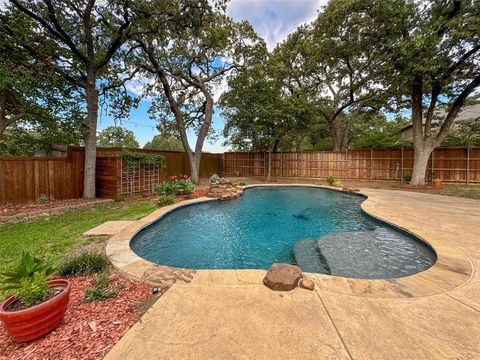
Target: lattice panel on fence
{"type": "Point", "coordinates": [141, 179]}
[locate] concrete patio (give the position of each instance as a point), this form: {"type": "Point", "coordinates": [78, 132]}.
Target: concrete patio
{"type": "Point", "coordinates": [231, 315]}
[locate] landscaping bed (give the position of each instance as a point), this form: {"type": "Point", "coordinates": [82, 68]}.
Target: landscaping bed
{"type": "Point", "coordinates": [88, 330]}
{"type": "Point", "coordinates": [37, 210]}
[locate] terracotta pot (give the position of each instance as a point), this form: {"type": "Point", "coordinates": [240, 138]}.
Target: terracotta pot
{"type": "Point", "coordinates": [28, 324]}
{"type": "Point", "coordinates": [437, 183]}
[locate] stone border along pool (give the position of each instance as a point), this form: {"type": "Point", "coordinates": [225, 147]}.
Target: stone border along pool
{"type": "Point", "coordinates": [452, 269]}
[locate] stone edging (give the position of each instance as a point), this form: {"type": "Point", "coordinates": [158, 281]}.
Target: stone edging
{"type": "Point", "coordinates": [451, 270]}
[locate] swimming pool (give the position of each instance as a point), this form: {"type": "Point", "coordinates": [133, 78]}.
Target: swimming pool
{"type": "Point", "coordinates": [322, 230]}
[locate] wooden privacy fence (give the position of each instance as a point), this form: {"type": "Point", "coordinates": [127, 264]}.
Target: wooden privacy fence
{"type": "Point", "coordinates": [113, 180]}
{"type": "Point", "coordinates": [25, 179]}
{"type": "Point", "coordinates": [461, 165]}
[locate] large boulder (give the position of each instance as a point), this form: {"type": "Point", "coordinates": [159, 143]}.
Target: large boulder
{"type": "Point", "coordinates": [283, 277]}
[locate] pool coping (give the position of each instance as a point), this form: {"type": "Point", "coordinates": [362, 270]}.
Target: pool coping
{"type": "Point", "coordinates": [452, 269]}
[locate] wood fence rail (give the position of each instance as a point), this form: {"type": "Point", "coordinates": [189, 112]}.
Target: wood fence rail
{"type": "Point", "coordinates": [25, 179]}
{"type": "Point", "coordinates": [459, 165]}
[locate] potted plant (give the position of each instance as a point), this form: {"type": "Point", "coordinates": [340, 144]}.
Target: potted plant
{"type": "Point", "coordinates": [437, 183]}
{"type": "Point", "coordinates": [37, 305]}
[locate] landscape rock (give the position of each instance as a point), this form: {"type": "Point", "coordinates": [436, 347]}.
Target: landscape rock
{"type": "Point", "coordinates": [283, 277]}
{"type": "Point", "coordinates": [224, 189]}
{"type": "Point", "coordinates": [307, 283]}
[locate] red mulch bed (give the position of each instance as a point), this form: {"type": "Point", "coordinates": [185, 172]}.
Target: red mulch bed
{"type": "Point", "coordinates": [196, 194]}
{"type": "Point", "coordinates": [8, 210]}
{"type": "Point", "coordinates": [88, 331]}
{"type": "Point", "coordinates": [414, 187]}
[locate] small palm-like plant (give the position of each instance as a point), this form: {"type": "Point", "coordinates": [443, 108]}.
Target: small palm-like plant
{"type": "Point", "coordinates": [26, 268]}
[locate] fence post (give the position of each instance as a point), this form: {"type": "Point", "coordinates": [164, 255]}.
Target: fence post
{"type": "Point", "coordinates": [371, 164]}
{"type": "Point", "coordinates": [468, 166]}
{"type": "Point", "coordinates": [346, 165]}
{"type": "Point", "coordinates": [281, 164]}
{"type": "Point", "coordinates": [234, 165]}
{"type": "Point", "coordinates": [432, 175]}
{"type": "Point", "coordinates": [223, 164]}
{"type": "Point", "coordinates": [401, 167]}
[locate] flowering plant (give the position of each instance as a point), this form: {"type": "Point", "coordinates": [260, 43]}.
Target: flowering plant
{"type": "Point", "coordinates": [176, 185]}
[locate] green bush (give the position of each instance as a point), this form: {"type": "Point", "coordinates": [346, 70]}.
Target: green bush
{"type": "Point", "coordinates": [330, 180]}
{"type": "Point", "coordinates": [165, 200]}
{"type": "Point", "coordinates": [176, 185]}
{"type": "Point", "coordinates": [186, 186]}
{"type": "Point", "coordinates": [25, 268]}
{"type": "Point", "coordinates": [338, 184]}
{"type": "Point", "coordinates": [32, 290]}
{"type": "Point", "coordinates": [86, 263]}
{"type": "Point", "coordinates": [214, 177]}
{"type": "Point", "coordinates": [168, 188]}
{"type": "Point", "coordinates": [407, 176]}
{"type": "Point", "coordinates": [43, 199]}
{"type": "Point", "coordinates": [99, 291]}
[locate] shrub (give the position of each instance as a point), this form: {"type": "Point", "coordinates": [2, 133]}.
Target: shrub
{"type": "Point", "coordinates": [330, 180]}
{"type": "Point", "coordinates": [176, 185]}
{"type": "Point", "coordinates": [165, 200]}
{"type": "Point", "coordinates": [32, 290]}
{"type": "Point", "coordinates": [338, 184]}
{"type": "Point", "coordinates": [167, 188]}
{"type": "Point", "coordinates": [407, 176]}
{"type": "Point", "coordinates": [99, 291]}
{"type": "Point", "coordinates": [214, 178]}
{"type": "Point", "coordinates": [25, 268]}
{"type": "Point", "coordinates": [186, 186]}
{"type": "Point", "coordinates": [43, 199]}
{"type": "Point", "coordinates": [86, 263]}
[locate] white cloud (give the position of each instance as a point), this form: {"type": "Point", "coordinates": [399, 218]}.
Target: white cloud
{"type": "Point", "coordinates": [274, 19]}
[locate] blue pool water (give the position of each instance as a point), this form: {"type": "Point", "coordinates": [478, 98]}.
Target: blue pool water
{"type": "Point", "coordinates": [323, 231]}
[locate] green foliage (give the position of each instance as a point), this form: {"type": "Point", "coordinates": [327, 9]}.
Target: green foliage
{"type": "Point", "coordinates": [176, 185]}
{"type": "Point", "coordinates": [464, 134]}
{"type": "Point", "coordinates": [164, 142]}
{"type": "Point", "coordinates": [56, 235]}
{"type": "Point", "coordinates": [26, 268]}
{"type": "Point", "coordinates": [407, 176]}
{"type": "Point", "coordinates": [338, 184]}
{"type": "Point", "coordinates": [168, 188]}
{"type": "Point", "coordinates": [372, 130]}
{"type": "Point", "coordinates": [43, 199]}
{"type": "Point", "coordinates": [214, 178]}
{"type": "Point", "coordinates": [86, 263]}
{"type": "Point", "coordinates": [99, 291]}
{"type": "Point", "coordinates": [132, 159]}
{"type": "Point", "coordinates": [117, 136]}
{"type": "Point", "coordinates": [32, 290]}
{"type": "Point", "coordinates": [165, 200]}
{"type": "Point", "coordinates": [330, 180]}
{"type": "Point", "coordinates": [187, 186]}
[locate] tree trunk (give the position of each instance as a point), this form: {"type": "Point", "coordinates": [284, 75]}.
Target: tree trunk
{"type": "Point", "coordinates": [421, 155]}
{"type": "Point", "coordinates": [90, 140]}
{"type": "Point", "coordinates": [337, 135]}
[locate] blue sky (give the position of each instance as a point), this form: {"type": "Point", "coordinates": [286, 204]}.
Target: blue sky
{"type": "Point", "coordinates": [272, 19]}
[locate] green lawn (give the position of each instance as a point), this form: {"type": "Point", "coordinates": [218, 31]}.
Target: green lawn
{"type": "Point", "coordinates": [58, 234]}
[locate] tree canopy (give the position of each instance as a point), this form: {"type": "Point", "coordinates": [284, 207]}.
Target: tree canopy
{"type": "Point", "coordinates": [164, 142]}
{"type": "Point", "coordinates": [117, 136]}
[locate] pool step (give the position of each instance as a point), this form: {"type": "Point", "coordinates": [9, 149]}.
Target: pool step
{"type": "Point", "coordinates": [309, 258]}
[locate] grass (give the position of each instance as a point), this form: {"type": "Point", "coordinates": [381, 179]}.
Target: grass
{"type": "Point", "coordinates": [58, 234]}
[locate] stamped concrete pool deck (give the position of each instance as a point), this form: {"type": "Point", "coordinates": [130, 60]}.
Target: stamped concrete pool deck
{"type": "Point", "coordinates": [229, 314]}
